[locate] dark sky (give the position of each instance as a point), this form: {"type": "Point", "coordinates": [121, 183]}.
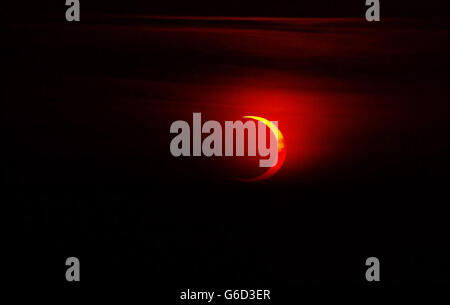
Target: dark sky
{"type": "Point", "coordinates": [280, 8]}
{"type": "Point", "coordinates": [363, 107]}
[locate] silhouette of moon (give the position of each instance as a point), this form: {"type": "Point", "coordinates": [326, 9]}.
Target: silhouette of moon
{"type": "Point", "coordinates": [281, 150]}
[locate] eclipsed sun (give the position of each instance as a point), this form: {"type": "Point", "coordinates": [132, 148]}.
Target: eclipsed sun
{"type": "Point", "coordinates": [281, 150]}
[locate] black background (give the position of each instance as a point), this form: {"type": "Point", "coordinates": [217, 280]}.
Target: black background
{"type": "Point", "coordinates": [90, 182]}
{"type": "Point", "coordinates": [282, 8]}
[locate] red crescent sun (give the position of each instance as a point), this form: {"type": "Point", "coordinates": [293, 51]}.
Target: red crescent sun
{"type": "Point", "coordinates": [281, 150]}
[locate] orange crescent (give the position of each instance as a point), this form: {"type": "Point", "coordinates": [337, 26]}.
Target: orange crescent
{"type": "Point", "coordinates": [281, 150]}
